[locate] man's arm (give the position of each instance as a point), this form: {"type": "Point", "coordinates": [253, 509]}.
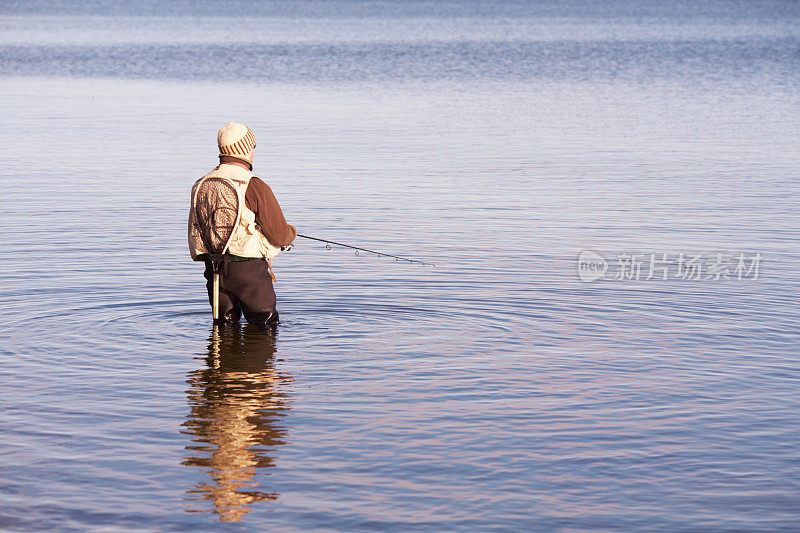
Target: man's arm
{"type": "Point", "coordinates": [260, 200]}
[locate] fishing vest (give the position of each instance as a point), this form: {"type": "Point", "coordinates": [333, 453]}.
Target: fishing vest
{"type": "Point", "coordinates": [219, 219]}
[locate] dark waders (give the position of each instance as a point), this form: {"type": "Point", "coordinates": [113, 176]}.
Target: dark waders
{"type": "Point", "coordinates": [237, 287]}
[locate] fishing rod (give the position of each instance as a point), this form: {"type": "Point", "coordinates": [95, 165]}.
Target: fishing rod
{"type": "Point", "coordinates": [357, 249]}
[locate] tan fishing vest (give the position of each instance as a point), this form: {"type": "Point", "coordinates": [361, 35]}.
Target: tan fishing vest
{"type": "Point", "coordinates": [246, 239]}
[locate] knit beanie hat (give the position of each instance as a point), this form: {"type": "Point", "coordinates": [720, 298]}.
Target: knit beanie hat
{"type": "Point", "coordinates": [236, 140]}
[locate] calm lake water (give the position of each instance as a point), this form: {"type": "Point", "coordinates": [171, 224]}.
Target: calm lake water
{"type": "Point", "coordinates": [495, 392]}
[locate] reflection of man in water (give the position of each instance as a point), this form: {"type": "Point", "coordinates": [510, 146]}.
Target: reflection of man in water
{"type": "Point", "coordinates": [236, 406]}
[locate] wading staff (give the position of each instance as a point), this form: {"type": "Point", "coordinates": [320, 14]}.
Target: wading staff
{"type": "Point", "coordinates": [217, 265]}
{"type": "Point", "coordinates": [215, 298]}
{"type": "Point", "coordinates": [357, 249]}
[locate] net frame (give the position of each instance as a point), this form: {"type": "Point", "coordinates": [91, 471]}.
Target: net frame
{"type": "Point", "coordinates": [217, 209]}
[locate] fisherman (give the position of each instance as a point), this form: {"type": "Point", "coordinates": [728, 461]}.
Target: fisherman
{"type": "Point", "coordinates": [236, 226]}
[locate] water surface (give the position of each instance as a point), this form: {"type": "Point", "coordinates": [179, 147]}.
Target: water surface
{"type": "Point", "coordinates": [493, 392]}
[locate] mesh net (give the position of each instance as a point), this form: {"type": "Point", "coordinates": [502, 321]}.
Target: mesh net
{"type": "Point", "coordinates": [216, 209]}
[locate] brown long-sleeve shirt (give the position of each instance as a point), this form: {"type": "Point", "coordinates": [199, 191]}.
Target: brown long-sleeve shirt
{"type": "Point", "coordinates": [261, 201]}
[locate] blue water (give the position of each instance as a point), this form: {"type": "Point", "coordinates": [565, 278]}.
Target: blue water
{"type": "Point", "coordinates": [494, 392]}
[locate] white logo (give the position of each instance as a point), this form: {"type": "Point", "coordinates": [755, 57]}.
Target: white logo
{"type": "Point", "coordinates": [591, 266]}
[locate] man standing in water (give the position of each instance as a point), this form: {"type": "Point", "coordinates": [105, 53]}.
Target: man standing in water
{"type": "Point", "coordinates": [236, 226]}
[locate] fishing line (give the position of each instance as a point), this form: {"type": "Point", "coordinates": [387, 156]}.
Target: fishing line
{"type": "Point", "coordinates": [358, 249]}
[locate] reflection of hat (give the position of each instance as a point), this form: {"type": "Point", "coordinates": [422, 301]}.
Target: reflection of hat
{"type": "Point", "coordinates": [236, 140]}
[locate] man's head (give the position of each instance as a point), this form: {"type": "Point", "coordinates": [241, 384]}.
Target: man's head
{"type": "Point", "coordinates": [237, 141]}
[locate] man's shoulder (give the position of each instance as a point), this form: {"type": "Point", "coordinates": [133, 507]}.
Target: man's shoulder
{"type": "Point", "coordinates": [197, 183]}
{"type": "Point", "coordinates": [257, 184]}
